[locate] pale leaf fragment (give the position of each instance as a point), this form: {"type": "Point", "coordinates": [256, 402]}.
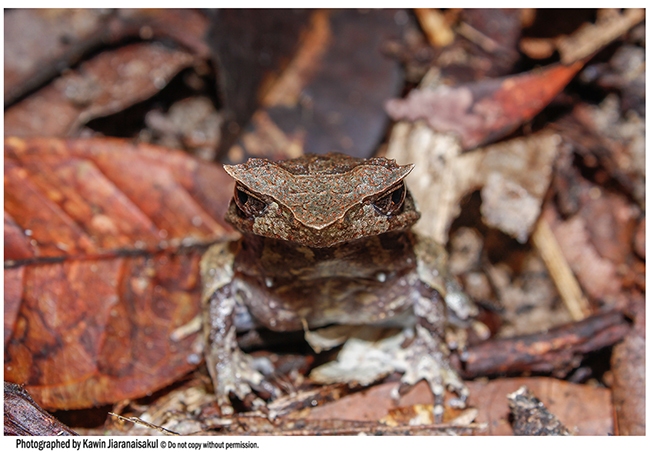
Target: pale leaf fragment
{"type": "Point", "coordinates": [513, 176]}
{"type": "Point", "coordinates": [363, 361]}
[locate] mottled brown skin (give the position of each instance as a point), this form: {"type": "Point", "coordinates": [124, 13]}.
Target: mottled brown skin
{"type": "Point", "coordinates": [349, 283]}
{"type": "Point", "coordinates": [325, 240]}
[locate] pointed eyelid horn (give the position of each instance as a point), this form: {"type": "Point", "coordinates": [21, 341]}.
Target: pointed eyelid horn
{"type": "Point", "coordinates": [318, 200]}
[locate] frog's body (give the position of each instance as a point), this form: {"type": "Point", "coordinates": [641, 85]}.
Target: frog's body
{"type": "Point", "coordinates": [326, 240]}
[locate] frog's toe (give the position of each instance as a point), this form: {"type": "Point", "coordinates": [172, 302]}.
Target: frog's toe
{"type": "Point", "coordinates": [223, 401]}
{"type": "Point", "coordinates": [458, 387]}
{"type": "Point", "coordinates": [241, 390]}
{"type": "Point", "coordinates": [267, 389]}
{"type": "Point", "coordinates": [438, 378]}
{"type": "Point", "coordinates": [428, 360]}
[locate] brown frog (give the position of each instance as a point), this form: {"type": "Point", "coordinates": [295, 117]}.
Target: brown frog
{"type": "Point", "coordinates": [327, 240]}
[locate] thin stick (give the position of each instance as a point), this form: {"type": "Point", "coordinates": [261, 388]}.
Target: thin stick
{"type": "Point", "coordinates": [564, 279]}
{"type": "Point", "coordinates": [137, 420]}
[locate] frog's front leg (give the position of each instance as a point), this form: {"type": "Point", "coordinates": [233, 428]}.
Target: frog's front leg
{"type": "Point", "coordinates": [427, 355]}
{"type": "Point", "coordinates": [232, 371]}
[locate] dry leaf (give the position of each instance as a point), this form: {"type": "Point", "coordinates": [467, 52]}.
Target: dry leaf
{"type": "Point", "coordinates": [106, 84]}
{"type": "Point", "coordinates": [443, 176]}
{"type": "Point", "coordinates": [483, 111]}
{"type": "Point", "coordinates": [101, 266]}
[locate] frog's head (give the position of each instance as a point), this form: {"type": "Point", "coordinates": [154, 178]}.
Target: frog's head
{"type": "Point", "coordinates": [320, 200]}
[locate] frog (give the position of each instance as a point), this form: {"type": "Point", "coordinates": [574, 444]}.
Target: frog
{"type": "Point", "coordinates": [327, 240]}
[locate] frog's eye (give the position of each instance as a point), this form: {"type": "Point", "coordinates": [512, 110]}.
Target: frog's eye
{"type": "Point", "coordinates": [249, 206]}
{"type": "Point", "coordinates": [391, 201]}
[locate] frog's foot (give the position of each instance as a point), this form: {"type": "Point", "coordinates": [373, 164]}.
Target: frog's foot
{"type": "Point", "coordinates": [232, 371]}
{"type": "Point", "coordinates": [239, 376]}
{"type": "Point", "coordinates": [427, 359]}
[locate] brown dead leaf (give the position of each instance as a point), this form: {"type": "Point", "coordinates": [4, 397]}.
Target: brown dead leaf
{"type": "Point", "coordinates": [265, 40]}
{"type": "Point", "coordinates": [105, 196]}
{"type": "Point", "coordinates": [583, 408]}
{"type": "Point", "coordinates": [41, 43]}
{"type": "Point", "coordinates": [629, 375]}
{"type": "Point", "coordinates": [35, 40]}
{"type": "Point", "coordinates": [106, 84]}
{"type": "Point", "coordinates": [184, 26]}
{"type": "Point", "coordinates": [597, 276]}
{"type": "Point", "coordinates": [483, 111]}
{"type": "Point", "coordinates": [443, 176]}
{"type": "Point", "coordinates": [99, 267]}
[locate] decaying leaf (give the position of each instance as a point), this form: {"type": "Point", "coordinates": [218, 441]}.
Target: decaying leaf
{"type": "Point", "coordinates": [443, 176]}
{"type": "Point", "coordinates": [42, 43]}
{"type": "Point", "coordinates": [106, 84]}
{"type": "Point", "coordinates": [92, 332]}
{"type": "Point", "coordinates": [106, 196]}
{"type": "Point", "coordinates": [101, 266]}
{"type": "Point", "coordinates": [485, 110]}
{"type": "Point", "coordinates": [629, 375]}
{"type": "Point", "coordinates": [583, 409]}
{"type": "Point", "coordinates": [367, 356]}
{"type": "Point", "coordinates": [250, 47]}
{"type": "Point", "coordinates": [597, 275]}
{"type": "Point", "coordinates": [36, 39]}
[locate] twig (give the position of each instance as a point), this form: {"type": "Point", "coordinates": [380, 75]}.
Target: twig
{"type": "Point", "coordinates": [564, 279]}
{"type": "Point", "coordinates": [472, 34]}
{"type": "Point", "coordinates": [435, 27]}
{"type": "Point", "coordinates": [137, 420]}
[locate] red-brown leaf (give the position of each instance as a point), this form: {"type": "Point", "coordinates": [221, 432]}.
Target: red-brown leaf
{"type": "Point", "coordinates": [584, 409]}
{"type": "Point", "coordinates": [486, 110]}
{"type": "Point", "coordinates": [98, 274]}
{"type": "Point", "coordinates": [102, 196]}
{"type": "Point", "coordinates": [106, 84]}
